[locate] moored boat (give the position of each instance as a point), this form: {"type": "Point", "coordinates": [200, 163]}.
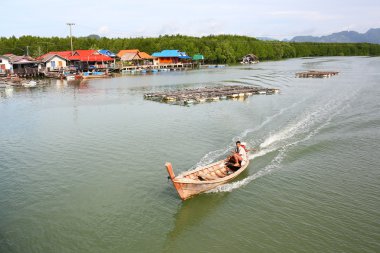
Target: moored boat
{"type": "Point", "coordinates": [73, 77]}
{"type": "Point", "coordinates": [202, 179]}
{"type": "Point", "coordinates": [95, 74]}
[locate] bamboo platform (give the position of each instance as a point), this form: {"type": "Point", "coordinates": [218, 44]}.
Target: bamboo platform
{"type": "Point", "coordinates": [207, 94]}
{"type": "Point", "coordinates": [316, 74]}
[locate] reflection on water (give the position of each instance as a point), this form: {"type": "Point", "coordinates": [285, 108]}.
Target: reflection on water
{"type": "Point", "coordinates": [6, 92]}
{"type": "Point", "coordinates": [192, 212]}
{"type": "Point", "coordinates": [45, 85]}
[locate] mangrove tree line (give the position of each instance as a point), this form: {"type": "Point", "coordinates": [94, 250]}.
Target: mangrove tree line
{"type": "Point", "coordinates": [215, 48]}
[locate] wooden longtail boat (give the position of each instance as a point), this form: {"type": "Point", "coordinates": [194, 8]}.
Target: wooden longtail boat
{"type": "Point", "coordinates": [73, 77]}
{"type": "Point", "coordinates": [95, 74]}
{"type": "Point", "coordinates": [202, 179]}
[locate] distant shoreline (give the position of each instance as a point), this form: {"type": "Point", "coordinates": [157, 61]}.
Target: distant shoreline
{"type": "Point", "coordinates": [219, 49]}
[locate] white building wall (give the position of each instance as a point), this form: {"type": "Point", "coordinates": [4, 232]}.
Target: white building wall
{"type": "Point", "coordinates": [56, 63]}
{"type": "Point", "coordinates": [5, 61]}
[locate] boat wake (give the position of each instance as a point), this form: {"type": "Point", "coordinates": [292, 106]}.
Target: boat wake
{"type": "Point", "coordinates": [213, 155]}
{"type": "Point", "coordinates": [300, 130]}
{"type": "Point", "coordinates": [267, 120]}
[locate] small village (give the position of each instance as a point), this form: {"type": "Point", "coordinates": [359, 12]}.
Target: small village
{"type": "Point", "coordinates": [16, 70]}
{"type": "Point", "coordinates": [87, 64]}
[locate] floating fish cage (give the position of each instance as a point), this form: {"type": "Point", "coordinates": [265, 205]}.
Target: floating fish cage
{"type": "Point", "coordinates": [316, 74]}
{"type": "Point", "coordinates": [207, 94]}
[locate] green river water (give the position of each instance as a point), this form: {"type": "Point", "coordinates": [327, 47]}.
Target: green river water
{"type": "Point", "coordinates": [82, 165]}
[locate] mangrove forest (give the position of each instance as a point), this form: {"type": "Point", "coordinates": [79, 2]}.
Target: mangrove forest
{"type": "Point", "coordinates": [215, 48]}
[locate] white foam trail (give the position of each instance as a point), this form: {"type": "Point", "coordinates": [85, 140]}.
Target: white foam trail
{"type": "Point", "coordinates": [273, 142]}
{"type": "Point", "coordinates": [304, 124]}
{"type": "Point", "coordinates": [273, 165]}
{"type": "Point", "coordinates": [289, 131]}
{"type": "Point", "coordinates": [211, 156]}
{"type": "Point", "coordinates": [266, 121]}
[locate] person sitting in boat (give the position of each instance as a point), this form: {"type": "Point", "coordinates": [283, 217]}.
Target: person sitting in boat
{"type": "Point", "coordinates": [237, 159]}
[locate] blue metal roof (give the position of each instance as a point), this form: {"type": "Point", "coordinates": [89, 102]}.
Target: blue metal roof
{"type": "Point", "coordinates": [171, 53]}
{"type": "Point", "coordinates": [184, 56]}
{"type": "Point", "coordinates": [107, 52]}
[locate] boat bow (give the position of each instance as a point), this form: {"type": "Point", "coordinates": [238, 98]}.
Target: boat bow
{"type": "Point", "coordinates": [201, 179]}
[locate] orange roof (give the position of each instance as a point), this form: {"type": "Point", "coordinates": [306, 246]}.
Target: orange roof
{"type": "Point", "coordinates": [129, 57]}
{"type": "Point", "coordinates": [144, 55]}
{"type": "Point", "coordinates": [122, 52]}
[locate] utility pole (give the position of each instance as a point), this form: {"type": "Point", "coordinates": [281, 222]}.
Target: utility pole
{"type": "Point", "coordinates": [27, 50]}
{"type": "Point", "coordinates": [71, 37]}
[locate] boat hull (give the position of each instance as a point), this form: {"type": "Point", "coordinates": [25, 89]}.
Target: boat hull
{"type": "Point", "coordinates": [73, 77]}
{"type": "Point", "coordinates": [189, 184]}
{"type": "Point", "coordinates": [95, 76]}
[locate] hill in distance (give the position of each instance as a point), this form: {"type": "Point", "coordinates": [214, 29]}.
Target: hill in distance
{"type": "Point", "coordinates": [266, 38]}
{"type": "Point", "coordinates": [371, 36]}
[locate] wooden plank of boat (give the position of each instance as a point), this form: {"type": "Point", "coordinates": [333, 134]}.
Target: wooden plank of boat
{"type": "Point", "coordinates": [202, 179]}
{"type": "Point", "coordinates": [95, 76]}
{"type": "Point", "coordinates": [92, 75]}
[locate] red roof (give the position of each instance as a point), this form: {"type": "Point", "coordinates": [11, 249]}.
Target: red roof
{"type": "Point", "coordinates": [86, 52]}
{"type": "Point", "coordinates": [64, 54]}
{"type": "Point", "coordinates": [82, 55]}
{"type": "Point", "coordinates": [93, 58]}
{"type": "Point", "coordinates": [89, 55]}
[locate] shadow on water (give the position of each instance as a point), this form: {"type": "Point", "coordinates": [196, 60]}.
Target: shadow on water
{"type": "Point", "coordinates": [194, 211]}
{"type": "Point", "coordinates": [191, 213]}
{"type": "Point", "coordinates": [78, 84]}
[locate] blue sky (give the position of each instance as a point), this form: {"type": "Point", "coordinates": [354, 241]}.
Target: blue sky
{"type": "Point", "coordinates": [147, 18]}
